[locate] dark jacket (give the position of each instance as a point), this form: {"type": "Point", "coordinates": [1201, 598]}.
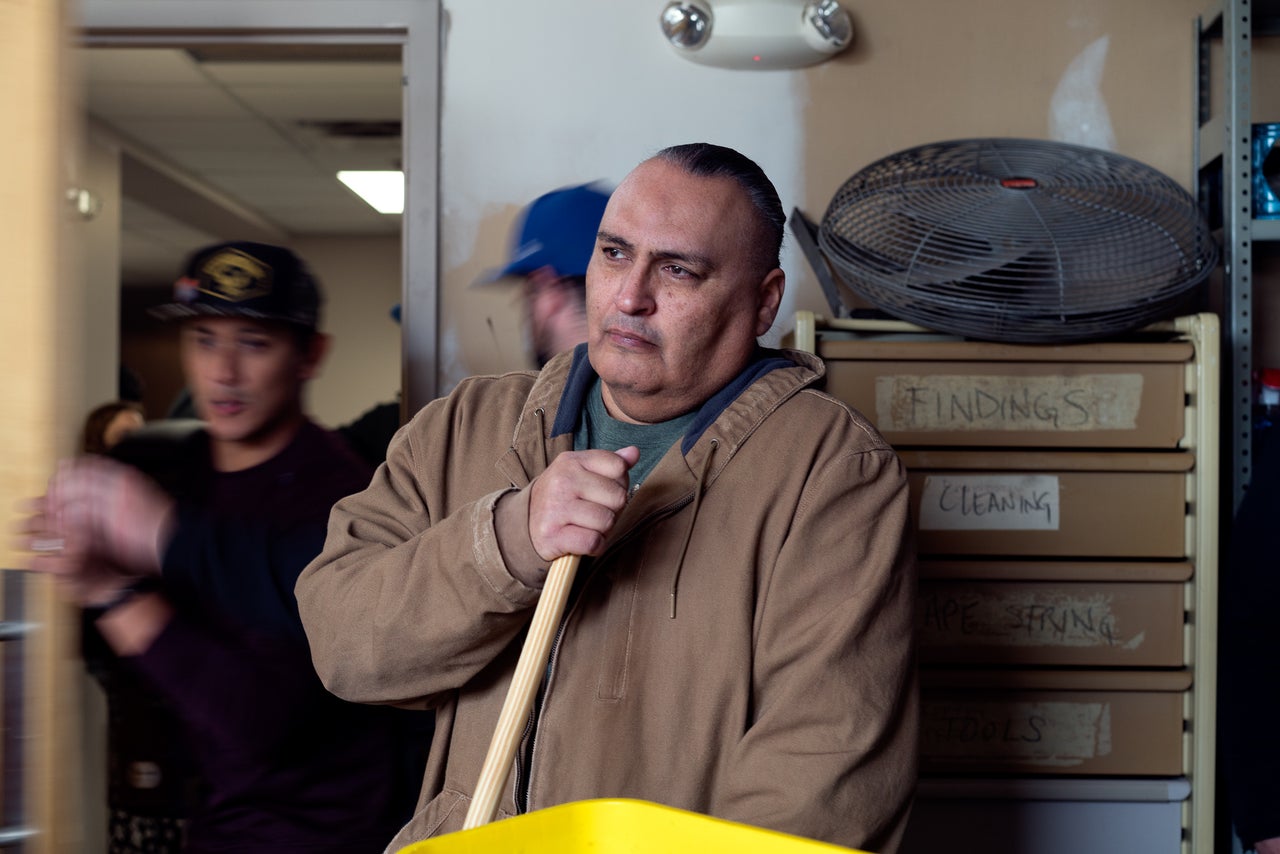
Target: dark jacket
{"type": "Point", "coordinates": [282, 765]}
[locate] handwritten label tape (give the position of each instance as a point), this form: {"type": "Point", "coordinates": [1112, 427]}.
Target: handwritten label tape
{"type": "Point", "coordinates": [952, 614]}
{"type": "Point", "coordinates": [989, 503]}
{"type": "Point", "coordinates": [1048, 403]}
{"type": "Point", "coordinates": [1049, 734]}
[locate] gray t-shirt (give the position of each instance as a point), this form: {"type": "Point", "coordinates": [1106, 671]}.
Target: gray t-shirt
{"type": "Point", "coordinates": [598, 429]}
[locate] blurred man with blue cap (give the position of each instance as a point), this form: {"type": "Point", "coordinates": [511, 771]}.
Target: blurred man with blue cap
{"type": "Point", "coordinates": [554, 239]}
{"type": "Point", "coordinates": [551, 246]}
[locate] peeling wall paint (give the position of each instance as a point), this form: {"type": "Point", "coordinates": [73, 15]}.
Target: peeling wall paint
{"type": "Point", "coordinates": [1077, 111]}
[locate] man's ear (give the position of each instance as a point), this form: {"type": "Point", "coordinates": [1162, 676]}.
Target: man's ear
{"type": "Point", "coordinates": [317, 348]}
{"type": "Point", "coordinates": [770, 291]}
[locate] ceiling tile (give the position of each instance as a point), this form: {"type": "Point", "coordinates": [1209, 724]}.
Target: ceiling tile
{"type": "Point", "coordinates": [189, 136]}
{"type": "Point", "coordinates": [317, 74]}
{"type": "Point", "coordinates": [338, 102]}
{"type": "Point", "coordinates": [119, 65]}
{"type": "Point", "coordinates": [244, 129]}
{"type": "Point", "coordinates": [115, 102]}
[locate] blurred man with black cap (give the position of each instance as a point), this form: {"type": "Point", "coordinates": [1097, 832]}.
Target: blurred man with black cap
{"type": "Point", "coordinates": [190, 585]}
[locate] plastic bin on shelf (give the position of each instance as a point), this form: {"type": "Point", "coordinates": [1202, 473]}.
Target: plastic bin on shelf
{"type": "Point", "coordinates": [618, 826]}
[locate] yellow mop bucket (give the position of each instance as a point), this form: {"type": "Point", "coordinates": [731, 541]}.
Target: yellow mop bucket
{"type": "Point", "coordinates": [617, 826]}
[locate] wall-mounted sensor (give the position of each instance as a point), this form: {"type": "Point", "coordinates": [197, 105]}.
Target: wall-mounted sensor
{"type": "Point", "coordinates": [756, 33]}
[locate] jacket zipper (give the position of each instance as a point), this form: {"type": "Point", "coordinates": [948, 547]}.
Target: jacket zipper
{"type": "Point", "coordinates": [520, 794]}
{"type": "Point", "coordinates": [524, 776]}
{"type": "Point", "coordinates": [531, 729]}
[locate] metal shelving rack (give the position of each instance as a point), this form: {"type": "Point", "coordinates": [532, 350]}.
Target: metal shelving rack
{"type": "Point", "coordinates": [1222, 159]}
{"type": "Point", "coordinates": [1223, 165]}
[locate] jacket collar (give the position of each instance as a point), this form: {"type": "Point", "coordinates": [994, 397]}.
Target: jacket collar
{"type": "Point", "coordinates": [581, 375]}
{"type": "Point", "coordinates": [555, 401]}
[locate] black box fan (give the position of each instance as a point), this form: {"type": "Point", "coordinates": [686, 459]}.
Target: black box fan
{"type": "Point", "coordinates": [1018, 240]}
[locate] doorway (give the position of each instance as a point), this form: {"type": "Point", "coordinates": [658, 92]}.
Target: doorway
{"type": "Point", "coordinates": [231, 141]}
{"type": "Point", "coordinates": [35, 803]}
{"type": "Point", "coordinates": [258, 60]}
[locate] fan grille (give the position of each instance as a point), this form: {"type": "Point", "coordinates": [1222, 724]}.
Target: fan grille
{"type": "Point", "coordinates": [1018, 240]}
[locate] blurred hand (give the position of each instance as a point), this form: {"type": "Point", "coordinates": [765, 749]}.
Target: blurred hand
{"type": "Point", "coordinates": [63, 555]}
{"type": "Point", "coordinates": [99, 512]}
{"type": "Point", "coordinates": [574, 503]}
{"type": "Point", "coordinates": [1268, 846]}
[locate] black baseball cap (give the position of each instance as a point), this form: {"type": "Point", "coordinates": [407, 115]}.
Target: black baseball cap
{"type": "Point", "coordinates": [245, 279]}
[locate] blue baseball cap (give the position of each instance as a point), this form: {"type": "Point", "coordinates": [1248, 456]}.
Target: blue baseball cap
{"type": "Point", "coordinates": [557, 230]}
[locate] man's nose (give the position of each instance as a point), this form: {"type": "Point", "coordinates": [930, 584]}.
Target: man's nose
{"type": "Point", "coordinates": [635, 291]}
{"type": "Point", "coordinates": [226, 365]}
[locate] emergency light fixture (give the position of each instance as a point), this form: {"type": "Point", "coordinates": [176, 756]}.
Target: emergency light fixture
{"type": "Point", "coordinates": [756, 33]}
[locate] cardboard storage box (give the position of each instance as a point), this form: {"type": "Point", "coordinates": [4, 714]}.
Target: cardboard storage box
{"type": "Point", "coordinates": [1059, 504]}
{"type": "Point", "coordinates": [1053, 613]}
{"type": "Point", "coordinates": [966, 393]}
{"type": "Point", "coordinates": [1076, 722]}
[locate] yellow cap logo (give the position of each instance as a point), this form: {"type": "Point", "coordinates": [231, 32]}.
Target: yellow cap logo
{"type": "Point", "coordinates": [234, 276]}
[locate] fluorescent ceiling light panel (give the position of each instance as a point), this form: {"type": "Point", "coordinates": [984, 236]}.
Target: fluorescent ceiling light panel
{"type": "Point", "coordinates": [384, 191]}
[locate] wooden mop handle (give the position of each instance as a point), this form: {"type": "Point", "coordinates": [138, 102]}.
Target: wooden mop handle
{"type": "Point", "coordinates": [524, 686]}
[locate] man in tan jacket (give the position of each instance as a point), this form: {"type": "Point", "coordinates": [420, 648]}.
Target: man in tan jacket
{"type": "Point", "coordinates": [739, 640]}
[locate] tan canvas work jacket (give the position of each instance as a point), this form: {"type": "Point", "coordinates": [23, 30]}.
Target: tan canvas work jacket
{"type": "Point", "coordinates": [743, 648]}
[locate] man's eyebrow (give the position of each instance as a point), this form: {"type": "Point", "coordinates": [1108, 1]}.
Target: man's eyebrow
{"type": "Point", "coordinates": [693, 259]}
{"type": "Point", "coordinates": [689, 259]}
{"type": "Point", "coordinates": [621, 242]}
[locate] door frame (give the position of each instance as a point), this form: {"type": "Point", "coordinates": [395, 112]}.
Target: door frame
{"type": "Point", "coordinates": [415, 26]}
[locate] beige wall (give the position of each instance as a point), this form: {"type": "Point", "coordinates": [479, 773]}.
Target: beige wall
{"type": "Point", "coordinates": [361, 280]}
{"type": "Point", "coordinates": [992, 68]}
{"type": "Point", "coordinates": [570, 91]}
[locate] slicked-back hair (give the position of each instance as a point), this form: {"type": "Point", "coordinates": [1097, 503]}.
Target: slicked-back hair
{"type": "Point", "coordinates": [706, 160]}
